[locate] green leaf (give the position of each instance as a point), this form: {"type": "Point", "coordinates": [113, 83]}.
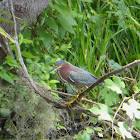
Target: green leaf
{"type": "Point", "coordinates": [111, 85]}
{"type": "Point", "coordinates": [47, 76]}
{"type": "Point", "coordinates": [100, 134]}
{"type": "Point", "coordinates": [86, 0]}
{"type": "Point", "coordinates": [138, 1]}
{"type": "Point", "coordinates": [6, 77]}
{"type": "Point", "coordinates": [55, 95]}
{"type": "Point", "coordinates": [54, 81]}
{"type": "Point", "coordinates": [45, 84]}
{"type": "Point", "coordinates": [66, 14]}
{"type": "Point", "coordinates": [6, 35]}
{"type": "Point", "coordinates": [27, 41]}
{"type": "Point", "coordinates": [64, 47]}
{"type": "Point", "coordinates": [115, 85]}
{"type": "Point", "coordinates": [118, 81]}
{"type": "Point", "coordinates": [111, 98]}
{"type": "Point", "coordinates": [10, 61]}
{"type": "Point", "coordinates": [109, 82]}
{"type": "Point", "coordinates": [5, 112]}
{"type": "Point", "coordinates": [45, 37]}
{"type": "Point", "coordinates": [102, 112]}
{"type": "Point", "coordinates": [60, 127]}
{"type": "Point", "coordinates": [117, 130]}
{"type": "Point", "coordinates": [6, 20]}
{"type": "Point", "coordinates": [103, 57]}
{"type": "Point", "coordinates": [98, 128]}
{"type": "Point", "coordinates": [52, 24]}
{"type": "Point", "coordinates": [136, 89]}
{"type": "Point", "coordinates": [89, 130]}
{"type": "Point", "coordinates": [114, 65]}
{"type": "Point", "coordinates": [9, 14]}
{"type": "Point", "coordinates": [13, 76]}
{"type": "Point", "coordinates": [115, 88]}
{"type": "Point", "coordinates": [20, 39]}
{"type": "Point", "coordinates": [1, 67]}
{"type": "Point", "coordinates": [65, 24]}
{"type": "Point", "coordinates": [27, 54]}
{"type": "Point", "coordinates": [24, 24]}
{"type": "Point", "coordinates": [137, 124]}
{"type": "Point", "coordinates": [125, 126]}
{"type": "Point", "coordinates": [84, 136]}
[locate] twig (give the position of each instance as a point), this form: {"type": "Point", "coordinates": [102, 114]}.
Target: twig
{"type": "Point", "coordinates": [8, 49]}
{"type": "Point", "coordinates": [133, 96]}
{"type": "Point", "coordinates": [70, 95]}
{"type": "Point", "coordinates": [18, 48]}
{"type": "Point", "coordinates": [136, 95]}
{"type": "Point", "coordinates": [116, 115]}
{"type": "Point", "coordinates": [61, 93]}
{"type": "Point", "coordinates": [64, 94]}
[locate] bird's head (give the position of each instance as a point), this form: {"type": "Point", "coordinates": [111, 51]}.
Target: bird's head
{"type": "Point", "coordinates": [57, 65]}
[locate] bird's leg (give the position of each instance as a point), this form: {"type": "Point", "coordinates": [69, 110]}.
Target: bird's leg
{"type": "Point", "coordinates": [75, 99]}
{"type": "Point", "coordinates": [73, 89]}
{"type": "Point", "coordinates": [79, 91]}
{"type": "Point", "coordinates": [79, 94]}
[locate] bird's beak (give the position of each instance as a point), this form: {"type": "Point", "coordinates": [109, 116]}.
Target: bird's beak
{"type": "Point", "coordinates": [52, 69]}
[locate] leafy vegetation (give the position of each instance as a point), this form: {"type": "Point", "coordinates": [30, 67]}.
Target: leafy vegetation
{"type": "Point", "coordinates": [98, 36]}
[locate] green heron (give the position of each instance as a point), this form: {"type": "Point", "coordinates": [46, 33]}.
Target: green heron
{"type": "Point", "coordinates": [74, 75]}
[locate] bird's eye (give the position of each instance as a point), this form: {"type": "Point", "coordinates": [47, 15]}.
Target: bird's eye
{"type": "Point", "coordinates": [57, 66]}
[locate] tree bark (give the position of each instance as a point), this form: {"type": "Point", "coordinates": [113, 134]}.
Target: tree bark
{"type": "Point", "coordinates": [24, 10]}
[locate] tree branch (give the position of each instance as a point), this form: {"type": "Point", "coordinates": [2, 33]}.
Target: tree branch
{"type": "Point", "coordinates": [18, 48]}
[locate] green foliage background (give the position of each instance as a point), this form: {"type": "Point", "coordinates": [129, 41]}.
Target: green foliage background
{"type": "Point", "coordinates": [90, 34]}
{"type": "Point", "coordinates": [98, 36]}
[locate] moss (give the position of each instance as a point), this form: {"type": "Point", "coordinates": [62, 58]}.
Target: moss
{"type": "Point", "coordinates": [31, 116]}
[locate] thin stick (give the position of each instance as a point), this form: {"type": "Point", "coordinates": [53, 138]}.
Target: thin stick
{"type": "Point", "coordinates": [8, 49]}
{"type": "Point", "coordinates": [116, 115]}
{"type": "Point", "coordinates": [18, 48]}
{"type": "Point", "coordinates": [133, 96]}
{"type": "Point", "coordinates": [69, 95]}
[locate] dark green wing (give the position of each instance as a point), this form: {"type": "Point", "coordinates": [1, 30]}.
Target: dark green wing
{"type": "Point", "coordinates": [82, 77]}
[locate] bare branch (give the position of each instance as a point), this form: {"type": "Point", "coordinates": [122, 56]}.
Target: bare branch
{"type": "Point", "coordinates": [18, 49]}
{"type": "Point", "coordinates": [8, 49]}
{"type": "Point", "coordinates": [116, 115]}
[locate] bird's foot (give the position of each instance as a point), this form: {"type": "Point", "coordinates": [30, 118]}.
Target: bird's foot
{"type": "Point", "coordinates": [75, 99]}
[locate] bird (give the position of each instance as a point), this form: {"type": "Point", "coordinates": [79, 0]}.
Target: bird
{"type": "Point", "coordinates": [73, 75]}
